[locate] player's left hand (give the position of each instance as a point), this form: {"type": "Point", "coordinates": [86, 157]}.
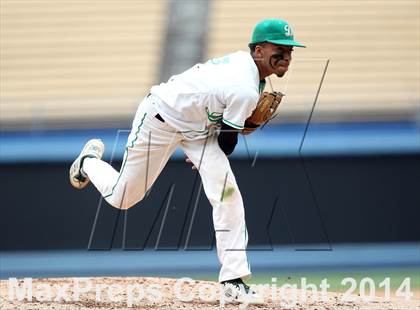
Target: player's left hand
{"type": "Point", "coordinates": [264, 111]}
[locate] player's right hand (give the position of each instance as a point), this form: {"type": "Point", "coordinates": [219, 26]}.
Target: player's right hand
{"type": "Point", "coordinates": [190, 162]}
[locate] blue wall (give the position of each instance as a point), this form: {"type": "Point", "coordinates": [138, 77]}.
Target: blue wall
{"type": "Point", "coordinates": [276, 140]}
{"type": "Point", "coordinates": [354, 183]}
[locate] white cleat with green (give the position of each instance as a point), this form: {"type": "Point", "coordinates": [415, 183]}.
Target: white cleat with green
{"type": "Point", "coordinates": [237, 291]}
{"type": "Point", "coordinates": [93, 148]}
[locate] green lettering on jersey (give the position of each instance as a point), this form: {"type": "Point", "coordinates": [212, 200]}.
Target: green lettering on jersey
{"type": "Point", "coordinates": [214, 117]}
{"type": "Point", "coordinates": [221, 60]}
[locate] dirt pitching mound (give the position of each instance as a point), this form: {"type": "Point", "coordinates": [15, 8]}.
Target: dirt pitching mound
{"type": "Point", "coordinates": [162, 293]}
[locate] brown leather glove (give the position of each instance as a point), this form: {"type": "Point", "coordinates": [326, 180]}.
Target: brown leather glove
{"type": "Point", "coordinates": [266, 107]}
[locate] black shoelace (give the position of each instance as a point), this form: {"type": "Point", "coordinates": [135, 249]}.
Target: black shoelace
{"type": "Point", "coordinates": [238, 282]}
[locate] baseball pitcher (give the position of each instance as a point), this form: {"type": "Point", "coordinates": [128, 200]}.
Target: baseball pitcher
{"type": "Point", "coordinates": [202, 110]}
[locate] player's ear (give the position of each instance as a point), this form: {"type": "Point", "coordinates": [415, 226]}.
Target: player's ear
{"type": "Point", "coordinates": [258, 53]}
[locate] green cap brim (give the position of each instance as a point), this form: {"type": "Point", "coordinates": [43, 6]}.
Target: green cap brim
{"type": "Point", "coordinates": [286, 42]}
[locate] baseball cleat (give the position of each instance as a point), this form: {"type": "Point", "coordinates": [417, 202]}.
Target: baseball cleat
{"type": "Point", "coordinates": [237, 291]}
{"type": "Point", "coordinates": [93, 148]}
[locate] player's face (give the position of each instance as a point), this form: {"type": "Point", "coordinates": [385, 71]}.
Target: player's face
{"type": "Point", "coordinates": [276, 58]}
{"type": "Point", "coordinates": [281, 56]}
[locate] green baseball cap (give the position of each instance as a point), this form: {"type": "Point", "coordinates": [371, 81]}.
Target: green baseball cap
{"type": "Point", "coordinates": [275, 31]}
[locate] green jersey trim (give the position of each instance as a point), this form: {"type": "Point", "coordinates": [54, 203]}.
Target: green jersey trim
{"type": "Point", "coordinates": [261, 86]}
{"type": "Point", "coordinates": [126, 156]}
{"type": "Point", "coordinates": [232, 124]}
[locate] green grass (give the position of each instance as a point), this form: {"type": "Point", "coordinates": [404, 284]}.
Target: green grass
{"type": "Point", "coordinates": [334, 278]}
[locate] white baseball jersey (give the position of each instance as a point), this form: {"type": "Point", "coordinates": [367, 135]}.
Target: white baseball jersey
{"type": "Point", "coordinates": [222, 89]}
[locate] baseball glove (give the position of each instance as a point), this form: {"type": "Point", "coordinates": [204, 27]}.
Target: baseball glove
{"type": "Point", "coordinates": [266, 107]}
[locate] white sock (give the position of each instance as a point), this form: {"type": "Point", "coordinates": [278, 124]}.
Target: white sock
{"type": "Point", "coordinates": [101, 174]}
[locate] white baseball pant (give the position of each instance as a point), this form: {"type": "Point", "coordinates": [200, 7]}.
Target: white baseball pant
{"type": "Point", "coordinates": [149, 147]}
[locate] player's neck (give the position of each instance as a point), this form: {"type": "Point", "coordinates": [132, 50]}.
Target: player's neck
{"type": "Point", "coordinates": [263, 72]}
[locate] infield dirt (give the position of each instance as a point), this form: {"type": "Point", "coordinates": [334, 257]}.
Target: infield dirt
{"type": "Point", "coordinates": [164, 293]}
